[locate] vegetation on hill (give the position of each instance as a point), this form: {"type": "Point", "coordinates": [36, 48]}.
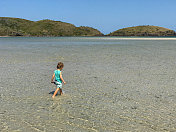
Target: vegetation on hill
{"type": "Point", "coordinates": [22, 27]}
{"type": "Point", "coordinates": [143, 31]}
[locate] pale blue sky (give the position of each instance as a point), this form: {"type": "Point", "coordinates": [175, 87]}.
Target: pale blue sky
{"type": "Point", "coordinates": [104, 15]}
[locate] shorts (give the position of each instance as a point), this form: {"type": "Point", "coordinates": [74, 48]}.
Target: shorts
{"type": "Point", "coordinates": [58, 84]}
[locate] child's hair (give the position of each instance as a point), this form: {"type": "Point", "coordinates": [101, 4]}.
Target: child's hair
{"type": "Point", "coordinates": [60, 65]}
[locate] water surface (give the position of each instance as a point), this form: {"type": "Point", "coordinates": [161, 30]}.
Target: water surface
{"type": "Point", "coordinates": [112, 84]}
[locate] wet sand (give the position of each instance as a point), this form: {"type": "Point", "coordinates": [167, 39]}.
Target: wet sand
{"type": "Point", "coordinates": [137, 38]}
{"type": "Point", "coordinates": [119, 86]}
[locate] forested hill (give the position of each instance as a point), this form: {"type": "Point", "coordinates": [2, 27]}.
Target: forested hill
{"type": "Point", "coordinates": [22, 27]}
{"type": "Point", "coordinates": [143, 31]}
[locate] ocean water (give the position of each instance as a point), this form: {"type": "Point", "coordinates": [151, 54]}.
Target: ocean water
{"type": "Point", "coordinates": [113, 84]}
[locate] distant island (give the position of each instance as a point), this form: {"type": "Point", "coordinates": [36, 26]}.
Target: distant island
{"type": "Point", "coordinates": [145, 30]}
{"type": "Point", "coordinates": [22, 27]}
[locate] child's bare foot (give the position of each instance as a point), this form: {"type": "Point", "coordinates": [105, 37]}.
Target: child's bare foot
{"type": "Point", "coordinates": [53, 97]}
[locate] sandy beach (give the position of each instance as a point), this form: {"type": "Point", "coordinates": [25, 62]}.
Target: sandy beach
{"type": "Point", "coordinates": [126, 38]}
{"type": "Point", "coordinates": [112, 85]}
{"type": "Point", "coordinates": [136, 38]}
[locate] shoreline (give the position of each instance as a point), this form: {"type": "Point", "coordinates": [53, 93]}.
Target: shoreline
{"type": "Point", "coordinates": [137, 38]}
{"type": "Point", "coordinates": [103, 37]}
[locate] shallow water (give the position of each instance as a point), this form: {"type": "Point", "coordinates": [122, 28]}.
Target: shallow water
{"type": "Point", "coordinates": [112, 85]}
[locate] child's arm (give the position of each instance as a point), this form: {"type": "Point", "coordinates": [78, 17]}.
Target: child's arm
{"type": "Point", "coordinates": [62, 78]}
{"type": "Point", "coordinates": [52, 78]}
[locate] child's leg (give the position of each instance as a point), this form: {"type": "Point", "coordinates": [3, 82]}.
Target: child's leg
{"type": "Point", "coordinates": [61, 91]}
{"type": "Point", "coordinates": [55, 92]}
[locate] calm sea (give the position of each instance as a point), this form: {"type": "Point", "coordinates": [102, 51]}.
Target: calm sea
{"type": "Point", "coordinates": [113, 84]}
{"type": "Point", "coordinates": [79, 40]}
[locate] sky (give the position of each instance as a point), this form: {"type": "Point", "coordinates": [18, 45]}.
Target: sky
{"type": "Point", "coordinates": [104, 15]}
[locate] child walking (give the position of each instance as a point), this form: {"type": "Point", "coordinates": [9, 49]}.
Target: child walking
{"type": "Point", "coordinates": [58, 79]}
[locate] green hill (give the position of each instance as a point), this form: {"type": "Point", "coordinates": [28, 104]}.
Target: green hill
{"type": "Point", "coordinates": [22, 27]}
{"type": "Point", "coordinates": [143, 31]}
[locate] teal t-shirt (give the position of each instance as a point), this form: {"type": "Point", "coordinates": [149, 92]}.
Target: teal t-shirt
{"type": "Point", "coordinates": [57, 75]}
